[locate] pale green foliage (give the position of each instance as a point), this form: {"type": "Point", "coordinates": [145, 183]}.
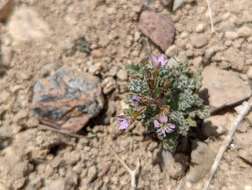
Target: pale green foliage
{"type": "Point", "coordinates": [172, 90]}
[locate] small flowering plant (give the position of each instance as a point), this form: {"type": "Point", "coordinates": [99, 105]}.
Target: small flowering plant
{"type": "Point", "coordinates": [164, 97]}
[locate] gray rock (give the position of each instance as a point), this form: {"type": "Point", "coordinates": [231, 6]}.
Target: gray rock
{"type": "Point", "coordinates": [67, 100]}
{"type": "Point", "coordinates": [224, 88]}
{"type": "Point", "coordinates": [159, 28]}
{"type": "Point", "coordinates": [201, 160]}
{"type": "Point", "coordinates": [199, 40]}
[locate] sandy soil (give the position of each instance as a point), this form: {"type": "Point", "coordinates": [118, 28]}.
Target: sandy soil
{"type": "Point", "coordinates": [40, 37]}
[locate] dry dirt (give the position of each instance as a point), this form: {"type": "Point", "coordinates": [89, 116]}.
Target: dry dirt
{"type": "Point", "coordinates": [40, 37]}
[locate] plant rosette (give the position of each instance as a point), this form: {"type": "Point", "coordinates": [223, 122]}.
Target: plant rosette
{"type": "Point", "coordinates": [164, 97]}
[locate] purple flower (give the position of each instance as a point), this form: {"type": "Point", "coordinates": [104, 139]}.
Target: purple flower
{"type": "Point", "coordinates": [123, 122]}
{"type": "Point", "coordinates": [135, 100]}
{"type": "Point", "coordinates": [163, 119]}
{"type": "Point", "coordinates": [163, 127]}
{"type": "Point", "coordinates": [159, 61]}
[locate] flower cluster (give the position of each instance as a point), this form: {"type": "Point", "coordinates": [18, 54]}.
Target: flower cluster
{"type": "Point", "coordinates": [164, 97]}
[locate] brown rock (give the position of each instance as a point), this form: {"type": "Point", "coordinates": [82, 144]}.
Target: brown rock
{"type": "Point", "coordinates": [67, 100]}
{"type": "Point", "coordinates": [159, 28]}
{"type": "Point", "coordinates": [6, 6]}
{"type": "Point", "coordinates": [224, 88]}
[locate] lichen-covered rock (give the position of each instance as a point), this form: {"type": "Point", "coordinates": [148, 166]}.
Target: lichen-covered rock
{"type": "Point", "coordinates": [67, 100]}
{"type": "Point", "coordinates": [224, 88]}
{"type": "Point", "coordinates": [159, 28]}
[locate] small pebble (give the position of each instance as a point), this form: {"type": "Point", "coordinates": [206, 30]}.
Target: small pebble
{"type": "Point", "coordinates": [184, 35]}
{"type": "Point", "coordinates": [108, 84]}
{"type": "Point", "coordinates": [228, 43]}
{"type": "Point", "coordinates": [171, 51]}
{"type": "Point", "coordinates": [189, 53]}
{"type": "Point", "coordinates": [122, 74]}
{"type": "Point", "coordinates": [244, 31]}
{"type": "Point", "coordinates": [200, 28]}
{"type": "Point", "coordinates": [249, 73]}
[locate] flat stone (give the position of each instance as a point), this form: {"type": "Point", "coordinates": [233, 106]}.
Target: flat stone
{"type": "Point", "coordinates": [67, 100]}
{"type": "Point", "coordinates": [159, 28]}
{"type": "Point", "coordinates": [224, 88]}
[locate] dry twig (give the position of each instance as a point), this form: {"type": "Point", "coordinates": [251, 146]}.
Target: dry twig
{"type": "Point", "coordinates": [210, 15]}
{"type": "Point", "coordinates": [133, 173]}
{"type": "Point", "coordinates": [242, 111]}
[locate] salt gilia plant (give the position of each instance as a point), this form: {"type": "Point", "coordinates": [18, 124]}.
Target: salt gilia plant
{"type": "Point", "coordinates": [164, 97]}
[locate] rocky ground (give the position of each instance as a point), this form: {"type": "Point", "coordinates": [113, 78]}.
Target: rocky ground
{"type": "Point", "coordinates": [100, 37]}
